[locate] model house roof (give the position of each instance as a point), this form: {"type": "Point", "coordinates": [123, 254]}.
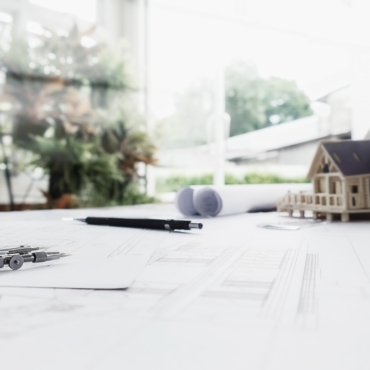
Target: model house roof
{"type": "Point", "coordinates": [351, 157]}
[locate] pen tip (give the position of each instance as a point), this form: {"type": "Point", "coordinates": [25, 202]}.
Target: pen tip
{"type": "Point", "coordinates": [73, 219]}
{"type": "Point", "coordinates": [195, 225]}
{"type": "Point", "coordinates": [65, 254]}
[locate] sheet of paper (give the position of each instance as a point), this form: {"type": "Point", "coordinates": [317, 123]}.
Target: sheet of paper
{"type": "Point", "coordinates": [232, 199]}
{"type": "Point", "coordinates": [233, 296]}
{"type": "Point", "coordinates": [102, 257]}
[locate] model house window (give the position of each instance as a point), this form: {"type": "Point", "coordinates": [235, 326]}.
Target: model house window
{"type": "Point", "coordinates": [354, 189]}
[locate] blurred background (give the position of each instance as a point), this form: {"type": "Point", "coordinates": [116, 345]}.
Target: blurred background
{"type": "Point", "coordinates": [110, 102]}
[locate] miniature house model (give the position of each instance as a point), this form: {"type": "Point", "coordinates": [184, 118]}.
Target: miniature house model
{"type": "Point", "coordinates": [340, 174]}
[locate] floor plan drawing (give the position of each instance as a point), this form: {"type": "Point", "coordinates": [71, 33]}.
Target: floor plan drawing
{"type": "Point", "coordinates": [250, 298]}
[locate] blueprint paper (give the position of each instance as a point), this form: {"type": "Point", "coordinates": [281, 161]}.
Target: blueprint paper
{"type": "Point", "coordinates": [102, 257]}
{"type": "Point", "coordinates": [232, 199]}
{"type": "Point", "coordinates": [231, 296]}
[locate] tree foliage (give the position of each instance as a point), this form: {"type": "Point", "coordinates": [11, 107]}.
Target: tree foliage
{"type": "Point", "coordinates": [253, 103]}
{"type": "Point", "coordinates": [187, 126]}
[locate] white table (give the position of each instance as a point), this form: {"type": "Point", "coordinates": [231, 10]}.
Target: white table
{"type": "Point", "coordinates": [232, 296]}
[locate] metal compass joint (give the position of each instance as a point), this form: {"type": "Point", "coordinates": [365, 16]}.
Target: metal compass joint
{"type": "Point", "coordinates": [14, 258]}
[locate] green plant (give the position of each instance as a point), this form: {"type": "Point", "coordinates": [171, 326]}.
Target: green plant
{"type": "Point", "coordinates": [133, 145]}
{"type": "Point", "coordinates": [69, 106]}
{"type": "Point", "coordinates": [73, 164]}
{"type": "Point", "coordinates": [91, 197]}
{"type": "Point", "coordinates": [175, 183]}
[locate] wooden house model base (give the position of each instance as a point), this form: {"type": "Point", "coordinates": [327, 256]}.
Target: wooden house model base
{"type": "Point", "coordinates": [340, 174]}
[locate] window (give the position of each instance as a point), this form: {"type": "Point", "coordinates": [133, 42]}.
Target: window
{"type": "Point", "coordinates": [231, 67]}
{"type": "Point", "coordinates": [354, 189]}
{"type": "Point", "coordinates": [241, 42]}
{"type": "Point", "coordinates": [55, 86]}
{"type": "Point", "coordinates": [84, 9]}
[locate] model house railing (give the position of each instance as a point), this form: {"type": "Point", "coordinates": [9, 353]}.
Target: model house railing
{"type": "Point", "coordinates": [310, 201]}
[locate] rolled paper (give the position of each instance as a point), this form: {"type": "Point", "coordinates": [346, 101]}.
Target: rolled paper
{"type": "Point", "coordinates": [232, 199]}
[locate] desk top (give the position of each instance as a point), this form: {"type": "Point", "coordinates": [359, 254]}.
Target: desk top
{"type": "Point", "coordinates": [232, 296]}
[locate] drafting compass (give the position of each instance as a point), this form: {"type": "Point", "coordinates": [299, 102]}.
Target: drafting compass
{"type": "Point", "coordinates": [16, 257]}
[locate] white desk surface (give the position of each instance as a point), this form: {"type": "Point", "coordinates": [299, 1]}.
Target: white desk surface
{"type": "Point", "coordinates": [230, 296]}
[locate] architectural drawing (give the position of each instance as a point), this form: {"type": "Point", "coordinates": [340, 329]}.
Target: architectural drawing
{"type": "Point", "coordinates": [235, 296]}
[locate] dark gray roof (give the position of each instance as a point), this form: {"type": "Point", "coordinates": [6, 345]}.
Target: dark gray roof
{"type": "Point", "coordinates": [351, 157]}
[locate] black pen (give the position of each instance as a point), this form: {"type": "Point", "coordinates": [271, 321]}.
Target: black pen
{"type": "Point", "coordinates": [142, 223]}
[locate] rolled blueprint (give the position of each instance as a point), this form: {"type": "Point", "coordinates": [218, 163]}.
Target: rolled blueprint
{"type": "Point", "coordinates": [232, 199]}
